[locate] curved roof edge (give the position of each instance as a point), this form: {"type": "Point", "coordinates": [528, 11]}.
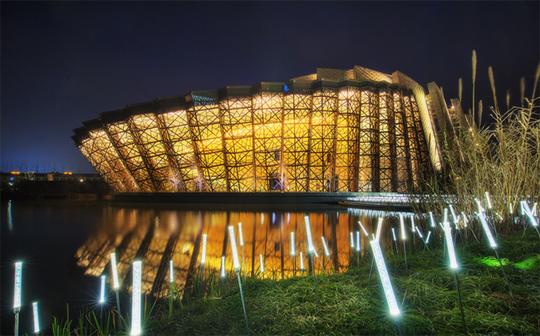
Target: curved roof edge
{"type": "Point", "coordinates": [199, 97]}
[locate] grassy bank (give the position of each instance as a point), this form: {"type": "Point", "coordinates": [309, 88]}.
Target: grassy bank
{"type": "Point", "coordinates": [351, 304]}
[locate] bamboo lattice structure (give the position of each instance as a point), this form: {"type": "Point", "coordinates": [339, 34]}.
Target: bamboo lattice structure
{"type": "Point", "coordinates": [335, 131]}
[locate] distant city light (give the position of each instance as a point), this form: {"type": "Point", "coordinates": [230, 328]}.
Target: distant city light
{"type": "Point", "coordinates": [18, 286]}
{"type": "Point", "coordinates": [136, 299]}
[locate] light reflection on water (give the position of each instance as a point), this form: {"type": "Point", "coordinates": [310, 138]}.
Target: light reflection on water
{"type": "Point", "coordinates": [157, 236]}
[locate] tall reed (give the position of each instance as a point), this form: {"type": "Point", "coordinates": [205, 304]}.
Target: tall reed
{"type": "Point", "coordinates": [501, 158]}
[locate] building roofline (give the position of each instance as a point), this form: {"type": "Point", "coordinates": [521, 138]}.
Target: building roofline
{"type": "Point", "coordinates": [201, 97]}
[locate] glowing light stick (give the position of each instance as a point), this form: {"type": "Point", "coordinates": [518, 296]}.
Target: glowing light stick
{"type": "Point", "coordinates": [534, 211]}
{"type": "Point", "coordinates": [385, 278]}
{"type": "Point", "coordinates": [240, 234]}
{"type": "Point", "coordinates": [311, 248]}
{"type": "Point", "coordinates": [293, 247]}
{"type": "Point", "coordinates": [262, 217]}
{"type": "Point", "coordinates": [428, 236]}
{"type": "Point", "coordinates": [402, 228]}
{"type": "Point", "coordinates": [413, 227]}
{"type": "Point", "coordinates": [136, 298]}
{"type": "Point", "coordinates": [465, 219]}
{"type": "Point", "coordinates": [487, 231]}
{"type": "Point", "coordinates": [450, 244]}
{"type": "Point", "coordinates": [325, 247]}
{"type": "Point", "coordinates": [301, 261]}
{"type": "Point", "coordinates": [511, 208]}
{"type": "Point", "coordinates": [445, 215]}
{"type": "Point", "coordinates": [419, 233]}
{"type": "Point", "coordinates": [261, 262]}
{"type": "Point", "coordinates": [102, 289]}
{"type": "Point", "coordinates": [394, 234]}
{"type": "Point", "coordinates": [527, 210]}
{"type": "Point", "coordinates": [223, 274]}
{"type": "Point", "coordinates": [18, 286]}
{"type": "Point", "coordinates": [357, 241]}
{"type": "Point", "coordinates": [363, 229]}
{"type": "Point", "coordinates": [35, 312]}
{"type": "Point", "coordinates": [479, 204]}
{"type": "Point", "coordinates": [488, 200]}
{"type": "Point", "coordinates": [455, 218]}
{"type": "Point", "coordinates": [352, 240]}
{"type": "Point", "coordinates": [431, 219]}
{"type": "Point", "coordinates": [171, 271]}
{"type": "Point", "coordinates": [114, 271]}
{"type": "Point", "coordinates": [379, 228]}
{"type": "Point", "coordinates": [232, 239]}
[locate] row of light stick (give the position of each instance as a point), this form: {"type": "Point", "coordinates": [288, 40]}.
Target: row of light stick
{"type": "Point", "coordinates": [374, 243]}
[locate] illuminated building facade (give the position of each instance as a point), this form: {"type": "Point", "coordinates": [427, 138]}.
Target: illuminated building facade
{"type": "Point", "coordinates": [333, 131]}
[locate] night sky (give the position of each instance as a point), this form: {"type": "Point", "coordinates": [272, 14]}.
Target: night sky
{"type": "Point", "coordinates": [64, 63]}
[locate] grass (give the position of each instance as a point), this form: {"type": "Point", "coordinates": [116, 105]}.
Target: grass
{"type": "Point", "coordinates": [345, 304]}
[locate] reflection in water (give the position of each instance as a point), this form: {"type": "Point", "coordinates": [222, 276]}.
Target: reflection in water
{"type": "Point", "coordinates": [273, 243]}
{"type": "Point", "coordinates": [10, 216]}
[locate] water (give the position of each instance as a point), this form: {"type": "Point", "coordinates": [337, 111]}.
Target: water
{"type": "Point", "coordinates": [66, 246]}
